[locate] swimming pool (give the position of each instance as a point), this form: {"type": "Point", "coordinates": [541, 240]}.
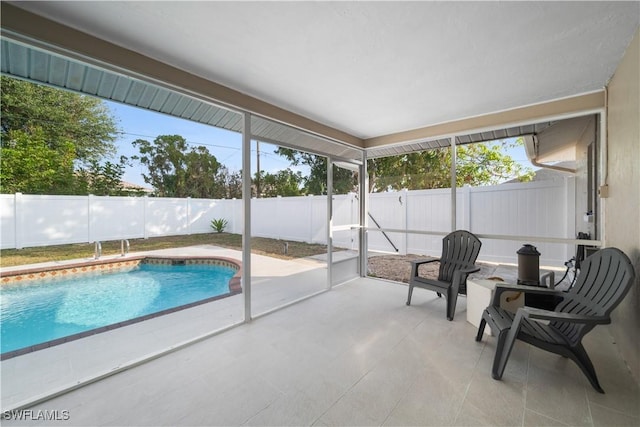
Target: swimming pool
{"type": "Point", "coordinates": [44, 308]}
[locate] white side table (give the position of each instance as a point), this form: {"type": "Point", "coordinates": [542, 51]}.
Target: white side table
{"type": "Point", "coordinates": [479, 296]}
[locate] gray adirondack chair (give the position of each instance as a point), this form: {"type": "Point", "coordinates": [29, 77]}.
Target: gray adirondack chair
{"type": "Point", "coordinates": [604, 279]}
{"type": "Point", "coordinates": [459, 253]}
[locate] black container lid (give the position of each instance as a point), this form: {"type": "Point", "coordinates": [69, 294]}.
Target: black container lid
{"type": "Point", "coordinates": [528, 249]}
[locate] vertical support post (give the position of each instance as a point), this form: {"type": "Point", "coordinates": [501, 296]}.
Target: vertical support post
{"type": "Point", "coordinates": [453, 183]}
{"type": "Point", "coordinates": [603, 164]}
{"type": "Point", "coordinates": [329, 222]}
{"type": "Point", "coordinates": [352, 219]}
{"type": "Point", "coordinates": [570, 204]}
{"type": "Point", "coordinates": [246, 211]}
{"type": "Point", "coordinates": [363, 196]}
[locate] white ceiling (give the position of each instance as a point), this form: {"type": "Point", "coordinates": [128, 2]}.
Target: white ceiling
{"type": "Point", "coordinates": [374, 68]}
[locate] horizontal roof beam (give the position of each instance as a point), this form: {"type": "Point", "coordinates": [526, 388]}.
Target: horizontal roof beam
{"type": "Point", "coordinates": [552, 110]}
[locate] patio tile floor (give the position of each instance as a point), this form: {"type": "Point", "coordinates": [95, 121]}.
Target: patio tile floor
{"type": "Point", "coordinates": [357, 356]}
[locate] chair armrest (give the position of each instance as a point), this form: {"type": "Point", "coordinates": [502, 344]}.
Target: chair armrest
{"type": "Point", "coordinates": [470, 269]}
{"type": "Point", "coordinates": [522, 288]}
{"type": "Point", "coordinates": [418, 262]}
{"type": "Point", "coordinates": [415, 264]}
{"type": "Point", "coordinates": [460, 275]}
{"type": "Point", "coordinates": [550, 278]}
{"type": "Point", "coordinates": [540, 314]}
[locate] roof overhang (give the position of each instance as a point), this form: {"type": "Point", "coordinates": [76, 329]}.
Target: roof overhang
{"type": "Point", "coordinates": [24, 61]}
{"type": "Point", "coordinates": [37, 49]}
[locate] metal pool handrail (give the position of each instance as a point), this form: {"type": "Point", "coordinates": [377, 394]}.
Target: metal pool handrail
{"type": "Point", "coordinates": [124, 247]}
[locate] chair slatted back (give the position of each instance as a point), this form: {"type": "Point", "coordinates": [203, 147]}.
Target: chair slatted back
{"type": "Point", "coordinates": [459, 248]}
{"type": "Point", "coordinates": [605, 278]}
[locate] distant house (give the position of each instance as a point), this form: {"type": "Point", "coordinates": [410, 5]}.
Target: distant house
{"type": "Point", "coordinates": [544, 174]}
{"type": "Point", "coordinates": [129, 186]}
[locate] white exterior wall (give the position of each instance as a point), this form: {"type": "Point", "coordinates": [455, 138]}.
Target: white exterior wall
{"type": "Point", "coordinates": [622, 207]}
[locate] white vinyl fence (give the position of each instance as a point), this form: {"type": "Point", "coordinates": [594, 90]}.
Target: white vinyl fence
{"type": "Point", "coordinates": [540, 209]}
{"type": "Point", "coordinates": [544, 209]}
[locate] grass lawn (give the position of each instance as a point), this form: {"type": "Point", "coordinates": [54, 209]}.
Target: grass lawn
{"type": "Point", "coordinates": [259, 245]}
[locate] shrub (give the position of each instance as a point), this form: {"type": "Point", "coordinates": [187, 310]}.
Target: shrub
{"type": "Point", "coordinates": [219, 224]}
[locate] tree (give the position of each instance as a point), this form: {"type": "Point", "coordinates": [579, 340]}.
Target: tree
{"type": "Point", "coordinates": [103, 179]}
{"type": "Point", "coordinates": [344, 181]}
{"type": "Point", "coordinates": [61, 117]}
{"type": "Point", "coordinates": [284, 183]}
{"type": "Point", "coordinates": [177, 171]}
{"type": "Point", "coordinates": [228, 184]}
{"type": "Point", "coordinates": [23, 154]}
{"type": "Point", "coordinates": [476, 164]}
{"type": "Point", "coordinates": [201, 170]}
{"type": "Point", "coordinates": [47, 133]}
{"type": "Point", "coordinates": [412, 171]}
{"type": "Point", "coordinates": [29, 165]}
{"type": "Point", "coordinates": [487, 164]}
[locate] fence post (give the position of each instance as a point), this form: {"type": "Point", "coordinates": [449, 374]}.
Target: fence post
{"type": "Point", "coordinates": [18, 225]}
{"type": "Point", "coordinates": [188, 216]}
{"type": "Point", "coordinates": [405, 198]}
{"type": "Point", "coordinates": [144, 215]}
{"type": "Point", "coordinates": [278, 215]}
{"type": "Point", "coordinates": [466, 207]}
{"type": "Point", "coordinates": [236, 221]}
{"type": "Point", "coordinates": [310, 229]}
{"type": "Point", "coordinates": [89, 230]}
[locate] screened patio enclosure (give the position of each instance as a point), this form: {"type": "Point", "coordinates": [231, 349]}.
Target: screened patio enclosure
{"type": "Point", "coordinates": [574, 133]}
{"type": "Point", "coordinates": [24, 61]}
{"type": "Point", "coordinates": [561, 121]}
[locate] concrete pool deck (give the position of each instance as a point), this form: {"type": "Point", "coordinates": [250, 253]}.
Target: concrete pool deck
{"type": "Point", "coordinates": [44, 372]}
{"type": "Point", "coordinates": [365, 320]}
{"type": "Point", "coordinates": [355, 356]}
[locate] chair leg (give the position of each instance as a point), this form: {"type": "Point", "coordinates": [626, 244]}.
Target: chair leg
{"type": "Point", "coordinates": [410, 293]}
{"type": "Point", "coordinates": [496, 372]}
{"type": "Point", "coordinates": [506, 340]}
{"type": "Point", "coordinates": [579, 355]}
{"type": "Point", "coordinates": [451, 306]}
{"type": "Point", "coordinates": [483, 323]}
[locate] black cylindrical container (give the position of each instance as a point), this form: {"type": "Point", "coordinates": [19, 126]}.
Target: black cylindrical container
{"type": "Point", "coordinates": [528, 265]}
{"type": "Point", "coordinates": [529, 274]}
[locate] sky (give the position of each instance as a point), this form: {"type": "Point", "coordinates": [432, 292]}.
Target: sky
{"type": "Point", "coordinates": [226, 146]}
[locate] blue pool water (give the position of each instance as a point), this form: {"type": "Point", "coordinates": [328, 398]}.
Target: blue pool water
{"type": "Point", "coordinates": [35, 312]}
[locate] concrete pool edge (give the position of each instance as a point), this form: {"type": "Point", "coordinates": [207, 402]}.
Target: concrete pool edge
{"type": "Point", "coordinates": [15, 275]}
